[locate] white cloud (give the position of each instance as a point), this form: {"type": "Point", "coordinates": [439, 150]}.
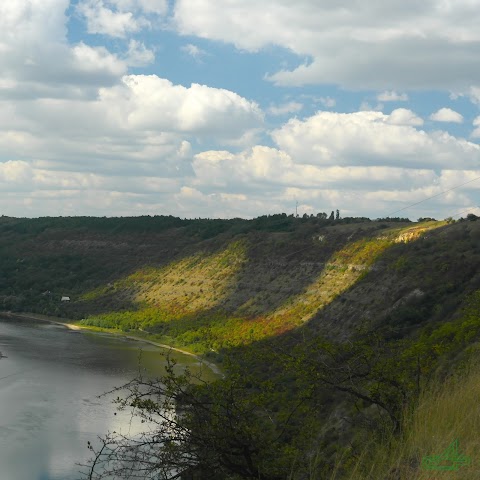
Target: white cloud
{"type": "Point", "coordinates": [116, 143]}
{"type": "Point", "coordinates": [14, 172]}
{"type": "Point", "coordinates": [396, 45]}
{"type": "Point", "coordinates": [446, 115]}
{"type": "Point", "coordinates": [197, 109]}
{"type": "Point", "coordinates": [403, 116]}
{"type": "Point", "coordinates": [36, 60]}
{"type": "Point", "coordinates": [360, 163]}
{"type": "Point", "coordinates": [101, 19]}
{"type": "Point", "coordinates": [97, 61]}
{"type": "Point", "coordinates": [372, 138]}
{"type": "Point", "coordinates": [83, 125]}
{"type": "Point", "coordinates": [123, 130]}
{"type": "Point", "coordinates": [476, 123]}
{"type": "Point", "coordinates": [138, 55]}
{"type": "Point", "coordinates": [274, 168]}
{"type": "Point", "coordinates": [392, 96]}
{"type": "Point", "coordinates": [119, 18]}
{"type": "Point", "coordinates": [375, 190]}
{"type": "Point", "coordinates": [194, 51]}
{"type": "Point", "coordinates": [285, 108]}
{"type": "Point", "coordinates": [140, 144]}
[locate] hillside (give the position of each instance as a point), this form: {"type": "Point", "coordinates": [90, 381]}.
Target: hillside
{"type": "Point", "coordinates": [304, 305]}
{"type": "Point", "coordinates": [233, 288]}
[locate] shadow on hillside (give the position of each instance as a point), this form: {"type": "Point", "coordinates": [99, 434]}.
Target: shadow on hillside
{"type": "Point", "coordinates": [412, 284]}
{"type": "Point", "coordinates": [277, 266]}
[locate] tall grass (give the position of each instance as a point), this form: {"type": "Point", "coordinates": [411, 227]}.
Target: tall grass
{"type": "Point", "coordinates": [446, 411]}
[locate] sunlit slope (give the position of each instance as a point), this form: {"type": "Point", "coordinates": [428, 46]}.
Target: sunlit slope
{"type": "Point", "coordinates": [239, 295]}
{"type": "Point", "coordinates": [195, 283]}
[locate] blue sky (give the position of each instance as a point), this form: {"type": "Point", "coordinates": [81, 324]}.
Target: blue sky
{"type": "Point", "coordinates": [239, 107]}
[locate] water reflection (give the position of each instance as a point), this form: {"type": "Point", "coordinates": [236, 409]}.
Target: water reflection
{"type": "Point", "coordinates": [49, 386]}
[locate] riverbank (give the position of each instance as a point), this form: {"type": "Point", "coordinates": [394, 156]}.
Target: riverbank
{"type": "Point", "coordinates": [60, 321]}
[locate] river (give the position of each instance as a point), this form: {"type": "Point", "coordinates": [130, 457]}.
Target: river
{"type": "Point", "coordinates": [50, 382]}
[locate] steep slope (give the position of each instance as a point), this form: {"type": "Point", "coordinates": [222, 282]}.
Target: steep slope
{"type": "Point", "coordinates": [245, 283]}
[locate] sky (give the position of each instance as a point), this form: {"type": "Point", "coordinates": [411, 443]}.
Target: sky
{"type": "Point", "coordinates": [239, 108]}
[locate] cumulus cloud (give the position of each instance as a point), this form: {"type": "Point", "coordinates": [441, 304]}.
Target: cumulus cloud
{"type": "Point", "coordinates": [392, 96]}
{"type": "Point", "coordinates": [101, 19]}
{"type": "Point", "coordinates": [95, 63]}
{"type": "Point", "coordinates": [36, 60]}
{"type": "Point", "coordinates": [140, 144]}
{"type": "Point", "coordinates": [134, 138]}
{"type": "Point", "coordinates": [275, 169]}
{"type": "Point", "coordinates": [84, 125]}
{"type": "Point", "coordinates": [154, 103]}
{"type": "Point", "coordinates": [371, 190]}
{"type": "Point", "coordinates": [372, 138]}
{"type": "Point", "coordinates": [403, 116]}
{"type": "Point", "coordinates": [358, 162]}
{"type": "Point", "coordinates": [376, 45]}
{"type": "Point", "coordinates": [446, 115]}
{"type": "Point", "coordinates": [119, 18]}
{"type": "Point", "coordinates": [145, 118]}
{"type": "Point", "coordinates": [366, 107]}
{"type": "Point", "coordinates": [138, 55]}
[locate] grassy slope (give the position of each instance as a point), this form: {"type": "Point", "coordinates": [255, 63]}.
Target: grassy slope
{"type": "Point", "coordinates": [447, 411]}
{"type": "Point", "coordinates": [241, 294]}
{"type": "Point", "coordinates": [236, 288]}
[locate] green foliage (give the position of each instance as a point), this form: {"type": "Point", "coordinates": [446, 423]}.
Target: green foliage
{"type": "Point", "coordinates": [267, 424]}
{"type": "Point", "coordinates": [232, 428]}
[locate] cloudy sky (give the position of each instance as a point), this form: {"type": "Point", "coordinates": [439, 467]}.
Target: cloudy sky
{"type": "Point", "coordinates": [226, 108]}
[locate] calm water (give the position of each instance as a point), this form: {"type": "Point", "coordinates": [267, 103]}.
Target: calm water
{"type": "Point", "coordinates": [49, 387]}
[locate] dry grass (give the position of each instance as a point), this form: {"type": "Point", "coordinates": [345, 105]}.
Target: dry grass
{"type": "Point", "coordinates": [195, 283]}
{"type": "Point", "coordinates": [446, 412]}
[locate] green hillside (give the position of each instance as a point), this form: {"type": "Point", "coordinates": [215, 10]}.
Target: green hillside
{"type": "Point", "coordinates": [327, 330]}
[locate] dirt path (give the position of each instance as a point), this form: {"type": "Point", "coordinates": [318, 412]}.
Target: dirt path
{"type": "Point", "coordinates": [71, 326]}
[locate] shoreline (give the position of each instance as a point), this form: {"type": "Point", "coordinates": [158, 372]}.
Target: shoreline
{"type": "Point", "coordinates": [71, 326]}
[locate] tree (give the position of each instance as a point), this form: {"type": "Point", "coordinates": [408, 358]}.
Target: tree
{"type": "Point", "coordinates": [337, 215]}
{"type": "Point", "coordinates": [332, 216]}
{"type": "Point", "coordinates": [231, 428]}
{"type": "Point", "coordinates": [251, 425]}
{"type": "Point", "coordinates": [370, 371]}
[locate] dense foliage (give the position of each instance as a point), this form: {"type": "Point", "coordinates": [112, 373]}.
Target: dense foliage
{"type": "Point", "coordinates": [253, 426]}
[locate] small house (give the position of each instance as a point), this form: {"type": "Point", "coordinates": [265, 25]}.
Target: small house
{"type": "Point", "coordinates": [65, 299]}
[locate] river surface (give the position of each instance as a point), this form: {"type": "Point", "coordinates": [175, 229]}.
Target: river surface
{"type": "Point", "coordinates": [50, 382]}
